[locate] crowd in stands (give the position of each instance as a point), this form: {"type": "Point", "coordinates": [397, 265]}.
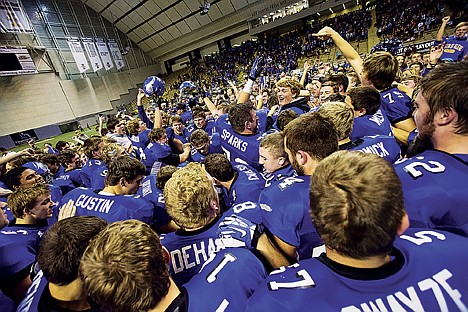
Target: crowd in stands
{"type": "Point", "coordinates": [341, 186]}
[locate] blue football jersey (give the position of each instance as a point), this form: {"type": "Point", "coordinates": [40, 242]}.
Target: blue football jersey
{"type": "Point", "coordinates": [209, 128]}
{"type": "Point", "coordinates": [380, 145]}
{"type": "Point", "coordinates": [239, 146]}
{"type": "Point", "coordinates": [396, 105]}
{"type": "Point", "coordinates": [152, 154]}
{"type": "Point", "coordinates": [19, 244]}
{"type": "Point", "coordinates": [435, 189]}
{"type": "Point", "coordinates": [184, 137]}
{"type": "Point", "coordinates": [69, 180]}
{"type": "Point", "coordinates": [245, 188]}
{"type": "Point", "coordinates": [59, 172]}
{"type": "Point", "coordinates": [142, 115]}
{"type": "Point", "coordinates": [229, 278]}
{"type": "Point", "coordinates": [87, 170]}
{"type": "Point", "coordinates": [190, 250]}
{"type": "Point", "coordinates": [280, 174]}
{"type": "Point", "coordinates": [30, 303]}
{"type": "Point", "coordinates": [285, 213]}
{"type": "Point", "coordinates": [367, 125]}
{"type": "Point", "coordinates": [110, 207]}
{"type": "Point", "coordinates": [215, 148]}
{"type": "Point", "coordinates": [427, 273]}
{"type": "Point", "coordinates": [98, 178]}
{"type": "Point", "coordinates": [154, 195]}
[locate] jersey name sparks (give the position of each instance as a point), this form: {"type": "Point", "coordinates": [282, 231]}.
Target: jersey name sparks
{"type": "Point", "coordinates": [234, 141]}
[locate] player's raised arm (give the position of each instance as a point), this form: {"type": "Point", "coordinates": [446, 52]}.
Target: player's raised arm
{"type": "Point", "coordinates": [255, 71]}
{"type": "Point", "coordinates": [440, 33]}
{"type": "Point", "coordinates": [348, 51]}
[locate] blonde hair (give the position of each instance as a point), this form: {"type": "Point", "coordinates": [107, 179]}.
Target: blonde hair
{"type": "Point", "coordinates": [341, 115]}
{"type": "Point", "coordinates": [292, 83]}
{"type": "Point", "coordinates": [25, 198]}
{"type": "Point", "coordinates": [188, 195]}
{"type": "Point", "coordinates": [273, 142]}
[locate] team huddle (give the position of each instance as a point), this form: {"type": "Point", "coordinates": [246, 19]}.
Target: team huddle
{"type": "Point", "coordinates": [351, 201]}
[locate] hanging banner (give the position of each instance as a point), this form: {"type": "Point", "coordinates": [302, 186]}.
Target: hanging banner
{"type": "Point", "coordinates": [93, 54]}
{"type": "Point", "coordinates": [16, 61]}
{"type": "Point", "coordinates": [78, 54]}
{"type": "Point", "coordinates": [115, 51]}
{"type": "Point", "coordinates": [12, 18]}
{"type": "Point", "coordinates": [104, 53]}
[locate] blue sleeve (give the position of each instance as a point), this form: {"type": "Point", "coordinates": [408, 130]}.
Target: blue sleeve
{"type": "Point", "coordinates": [144, 117]}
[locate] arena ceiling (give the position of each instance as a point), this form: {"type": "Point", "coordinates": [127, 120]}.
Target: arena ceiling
{"type": "Point", "coordinates": [153, 23]}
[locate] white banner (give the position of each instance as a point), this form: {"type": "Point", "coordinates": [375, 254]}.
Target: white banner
{"type": "Point", "coordinates": [115, 51]}
{"type": "Point", "coordinates": [104, 53]}
{"type": "Point", "coordinates": [93, 54]}
{"type": "Point", "coordinates": [12, 18]}
{"type": "Point", "coordinates": [78, 54]}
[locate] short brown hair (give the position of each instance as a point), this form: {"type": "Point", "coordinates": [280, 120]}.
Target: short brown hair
{"type": "Point", "coordinates": [381, 69]}
{"type": "Point", "coordinates": [25, 198]}
{"type": "Point", "coordinates": [273, 142]}
{"type": "Point", "coordinates": [124, 167]}
{"type": "Point", "coordinates": [133, 126]}
{"type": "Point", "coordinates": [219, 167]}
{"type": "Point", "coordinates": [356, 204]}
{"type": "Point", "coordinates": [199, 137]}
{"type": "Point", "coordinates": [285, 117]}
{"type": "Point", "coordinates": [125, 268]}
{"type": "Point", "coordinates": [63, 245]}
{"type": "Point", "coordinates": [313, 134]}
{"type": "Point", "coordinates": [443, 88]}
{"type": "Point", "coordinates": [188, 195]}
{"type": "Point", "coordinates": [164, 174]}
{"type": "Point", "coordinates": [156, 134]}
{"type": "Point", "coordinates": [365, 97]}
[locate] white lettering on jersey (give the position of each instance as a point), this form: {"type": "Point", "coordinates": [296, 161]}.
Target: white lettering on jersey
{"type": "Point", "coordinates": [195, 254]}
{"type": "Point", "coordinates": [410, 300]}
{"type": "Point", "coordinates": [377, 149]}
{"type": "Point", "coordinates": [377, 117]}
{"type": "Point", "coordinates": [93, 203]}
{"type": "Point", "coordinates": [251, 175]}
{"type": "Point", "coordinates": [146, 188]}
{"type": "Point", "coordinates": [27, 301]}
{"type": "Point", "coordinates": [234, 141]}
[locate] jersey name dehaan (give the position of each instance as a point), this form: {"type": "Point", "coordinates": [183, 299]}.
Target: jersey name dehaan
{"type": "Point", "coordinates": [195, 254]}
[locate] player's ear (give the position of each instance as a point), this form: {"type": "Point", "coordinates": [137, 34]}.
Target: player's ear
{"type": "Point", "coordinates": [301, 157]}
{"type": "Point", "coordinates": [166, 255]}
{"type": "Point", "coordinates": [122, 182]}
{"type": "Point", "coordinates": [281, 161]}
{"type": "Point", "coordinates": [404, 225]}
{"type": "Point", "coordinates": [362, 112]}
{"type": "Point", "coordinates": [214, 204]}
{"type": "Point", "coordinates": [445, 116]}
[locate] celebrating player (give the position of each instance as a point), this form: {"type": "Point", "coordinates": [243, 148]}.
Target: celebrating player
{"type": "Point", "coordinates": [356, 204]}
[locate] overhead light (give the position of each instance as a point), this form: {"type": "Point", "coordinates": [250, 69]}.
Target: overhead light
{"type": "Point", "coordinates": [272, 13]}
{"type": "Point", "coordinates": [318, 13]}
{"type": "Point", "coordinates": [331, 10]}
{"type": "Point", "coordinates": [344, 7]}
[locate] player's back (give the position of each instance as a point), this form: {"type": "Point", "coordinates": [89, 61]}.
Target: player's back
{"type": "Point", "coordinates": [435, 189]}
{"type": "Point", "coordinates": [150, 192]}
{"type": "Point", "coordinates": [285, 212]}
{"type": "Point", "coordinates": [420, 277]}
{"type": "Point", "coordinates": [246, 187]}
{"type": "Point", "coordinates": [376, 124]}
{"type": "Point", "coordinates": [98, 178]}
{"type": "Point", "coordinates": [88, 168]}
{"type": "Point", "coordinates": [226, 281]}
{"type": "Point", "coordinates": [238, 146]}
{"type": "Point", "coordinates": [396, 105]}
{"type": "Point", "coordinates": [381, 145]}
{"type": "Point", "coordinates": [110, 207]}
{"type": "Point", "coordinates": [189, 250]}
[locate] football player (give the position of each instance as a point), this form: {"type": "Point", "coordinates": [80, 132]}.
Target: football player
{"type": "Point", "coordinates": [434, 182]}
{"type": "Point", "coordinates": [372, 261]}
{"type": "Point", "coordinates": [57, 285]}
{"type": "Point", "coordinates": [342, 117]}
{"type": "Point", "coordinates": [118, 199]}
{"type": "Point", "coordinates": [141, 280]}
